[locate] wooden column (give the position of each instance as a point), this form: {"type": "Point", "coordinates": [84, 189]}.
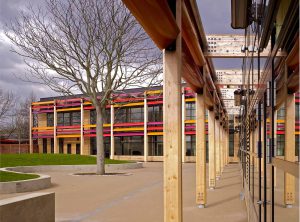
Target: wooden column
{"type": "Point", "coordinates": [217, 149]}
{"type": "Point", "coordinates": [112, 138]}
{"type": "Point", "coordinates": [183, 111]}
{"type": "Point", "coordinates": [211, 149]}
{"type": "Point", "coordinates": [226, 148]}
{"type": "Point", "coordinates": [30, 130]}
{"type": "Point", "coordinates": [81, 127]}
{"type": "Point", "coordinates": [200, 152]}
{"type": "Point", "coordinates": [172, 71]}
{"type": "Point", "coordinates": [145, 128]}
{"type": "Point", "coordinates": [56, 150]}
{"type": "Point", "coordinates": [289, 154]}
{"type": "Point", "coordinates": [222, 148]}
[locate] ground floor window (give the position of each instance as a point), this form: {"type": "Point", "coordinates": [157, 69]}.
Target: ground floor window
{"type": "Point", "coordinates": [61, 145]}
{"type": "Point", "coordinates": [231, 142]}
{"type": "Point", "coordinates": [129, 145]}
{"type": "Point", "coordinates": [52, 145]}
{"type": "Point", "coordinates": [69, 148]}
{"type": "Point", "coordinates": [93, 146]}
{"type": "Point", "coordinates": [44, 145]}
{"type": "Point", "coordinates": [155, 146]}
{"type": "Point", "coordinates": [190, 145]}
{"type": "Point", "coordinates": [77, 148]}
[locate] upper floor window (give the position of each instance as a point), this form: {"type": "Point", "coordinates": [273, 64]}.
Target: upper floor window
{"type": "Point", "coordinates": [131, 114]}
{"type": "Point", "coordinates": [68, 119]}
{"type": "Point", "coordinates": [50, 119]}
{"type": "Point", "coordinates": [190, 111]}
{"type": "Point", "coordinates": [93, 116]}
{"type": "Point", "coordinates": [155, 113]}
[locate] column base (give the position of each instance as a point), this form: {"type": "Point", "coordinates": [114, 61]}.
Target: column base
{"type": "Point", "coordinates": [218, 178]}
{"type": "Point", "coordinates": [201, 206]}
{"type": "Point", "coordinates": [289, 206]}
{"type": "Point", "coordinates": [212, 188]}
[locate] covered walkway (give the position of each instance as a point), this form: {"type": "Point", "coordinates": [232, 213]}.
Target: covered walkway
{"type": "Point", "coordinates": [243, 103]}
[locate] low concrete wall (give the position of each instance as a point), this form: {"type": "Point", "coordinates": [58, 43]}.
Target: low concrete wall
{"type": "Point", "coordinates": [37, 207]}
{"type": "Point", "coordinates": [42, 182]}
{"type": "Point", "coordinates": [74, 168]}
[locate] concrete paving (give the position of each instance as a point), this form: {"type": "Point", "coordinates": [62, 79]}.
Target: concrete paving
{"type": "Point", "coordinates": [139, 196]}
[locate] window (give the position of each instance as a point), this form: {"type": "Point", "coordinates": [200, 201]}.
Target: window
{"type": "Point", "coordinates": [68, 119]}
{"type": "Point", "coordinates": [93, 146]}
{"type": "Point", "coordinates": [93, 116]}
{"type": "Point", "coordinates": [50, 119]}
{"type": "Point", "coordinates": [52, 145]}
{"type": "Point", "coordinates": [190, 111]}
{"type": "Point", "coordinates": [61, 145]}
{"type": "Point", "coordinates": [44, 145]}
{"type": "Point", "coordinates": [63, 119]}
{"type": "Point", "coordinates": [155, 113]}
{"type": "Point", "coordinates": [280, 144]}
{"type": "Point", "coordinates": [155, 146]}
{"type": "Point", "coordinates": [297, 144]}
{"type": "Point", "coordinates": [133, 114]}
{"type": "Point", "coordinates": [231, 142]}
{"type": "Point", "coordinates": [129, 145]}
{"type": "Point", "coordinates": [75, 118]}
{"type": "Point", "coordinates": [281, 113]}
{"type": "Point", "coordinates": [136, 114]}
{"type": "Point", "coordinates": [190, 145]}
{"type": "Point", "coordinates": [121, 115]}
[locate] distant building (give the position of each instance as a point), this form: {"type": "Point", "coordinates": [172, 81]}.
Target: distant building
{"type": "Point", "coordinates": [134, 135]}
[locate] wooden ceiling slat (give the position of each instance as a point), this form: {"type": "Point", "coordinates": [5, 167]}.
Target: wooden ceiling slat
{"type": "Point", "coordinates": [157, 20]}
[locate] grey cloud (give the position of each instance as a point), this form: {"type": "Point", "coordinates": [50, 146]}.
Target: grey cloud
{"type": "Point", "coordinates": [215, 16]}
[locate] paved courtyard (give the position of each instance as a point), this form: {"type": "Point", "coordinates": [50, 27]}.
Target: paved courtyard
{"type": "Point", "coordinates": [139, 196]}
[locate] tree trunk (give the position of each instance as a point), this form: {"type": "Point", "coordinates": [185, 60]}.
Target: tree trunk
{"type": "Point", "coordinates": [99, 141]}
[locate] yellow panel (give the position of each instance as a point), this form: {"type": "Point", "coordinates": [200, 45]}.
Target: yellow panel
{"type": "Point", "coordinates": [68, 109]}
{"type": "Point", "coordinates": [94, 125]}
{"type": "Point", "coordinates": [130, 104]}
{"type": "Point", "coordinates": [87, 103]}
{"type": "Point", "coordinates": [154, 92]}
{"type": "Point", "coordinates": [129, 129]}
{"type": "Point", "coordinates": [155, 133]}
{"type": "Point", "coordinates": [41, 103]}
{"type": "Point", "coordinates": [68, 136]}
{"type": "Point", "coordinates": [190, 100]}
{"type": "Point", "coordinates": [297, 133]}
{"type": "Point", "coordinates": [280, 121]}
{"type": "Point", "coordinates": [89, 125]}
{"type": "Point", "coordinates": [190, 121]}
{"type": "Point", "coordinates": [43, 128]}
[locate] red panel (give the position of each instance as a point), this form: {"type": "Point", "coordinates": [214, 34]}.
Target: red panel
{"type": "Point", "coordinates": [155, 128]}
{"type": "Point", "coordinates": [130, 124]}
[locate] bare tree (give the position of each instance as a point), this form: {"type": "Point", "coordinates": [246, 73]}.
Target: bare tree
{"type": "Point", "coordinates": [6, 101]}
{"type": "Point", "coordinates": [95, 47]}
{"type": "Point", "coordinates": [21, 119]}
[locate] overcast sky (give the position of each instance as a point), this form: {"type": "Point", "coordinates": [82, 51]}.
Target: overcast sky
{"type": "Point", "coordinates": [215, 17]}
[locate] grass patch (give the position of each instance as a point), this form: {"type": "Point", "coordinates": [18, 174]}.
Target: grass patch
{"type": "Point", "coordinates": [35, 159]}
{"type": "Point", "coordinates": [9, 176]}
